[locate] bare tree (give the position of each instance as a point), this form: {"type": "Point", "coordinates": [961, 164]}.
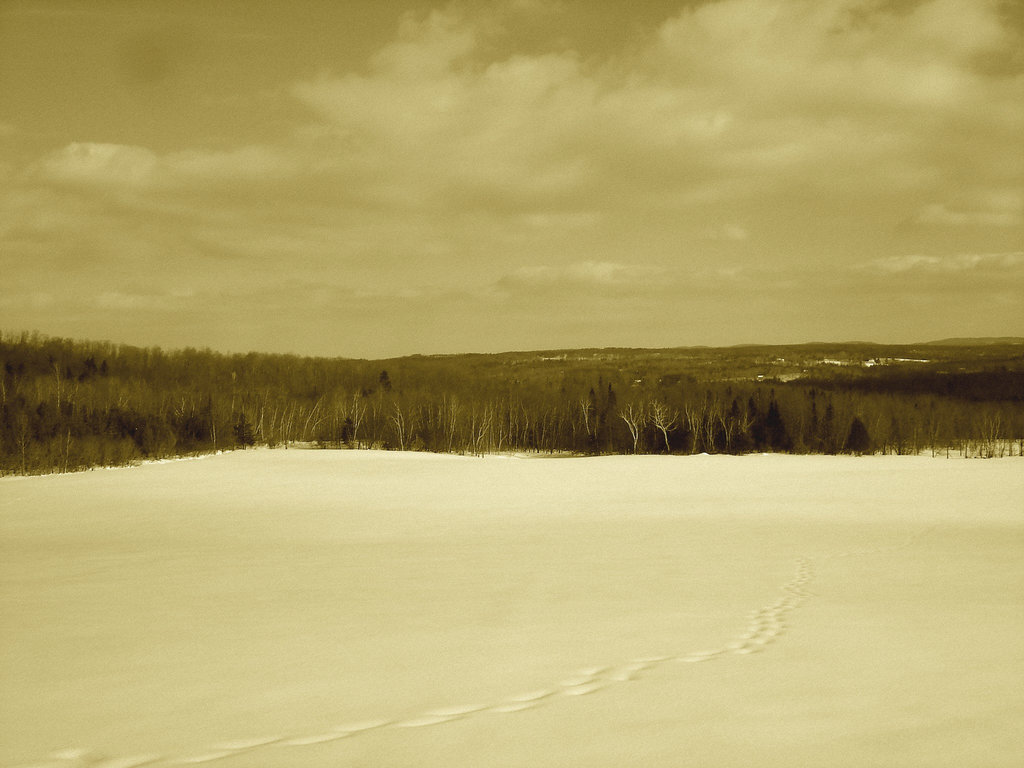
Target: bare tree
{"type": "Point", "coordinates": [22, 437]}
{"type": "Point", "coordinates": [481, 422]}
{"type": "Point", "coordinates": [527, 438]}
{"type": "Point", "coordinates": [356, 413]}
{"type": "Point", "coordinates": [269, 433]}
{"type": "Point", "coordinates": [259, 422]}
{"type": "Point", "coordinates": [450, 410]}
{"type": "Point", "coordinates": [587, 407]}
{"type": "Point", "coordinates": [990, 431]}
{"type": "Point", "coordinates": [695, 420]}
{"type": "Point", "coordinates": [398, 419]}
{"type": "Point", "coordinates": [66, 450]}
{"type": "Point", "coordinates": [635, 417]}
{"type": "Point", "coordinates": [506, 413]}
{"type": "Point", "coordinates": [734, 421]}
{"type": "Point", "coordinates": [57, 381]}
{"type": "Point", "coordinates": [744, 420]}
{"type": "Point", "coordinates": [664, 419]}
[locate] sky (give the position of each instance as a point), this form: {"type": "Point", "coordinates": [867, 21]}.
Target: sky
{"type": "Point", "coordinates": [368, 179]}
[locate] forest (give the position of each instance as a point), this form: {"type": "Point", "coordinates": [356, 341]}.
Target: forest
{"type": "Point", "coordinates": [68, 405]}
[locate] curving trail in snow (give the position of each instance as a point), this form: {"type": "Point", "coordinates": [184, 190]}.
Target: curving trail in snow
{"type": "Point", "coordinates": [766, 625]}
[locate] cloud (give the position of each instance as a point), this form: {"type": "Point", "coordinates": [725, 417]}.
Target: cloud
{"type": "Point", "coordinates": [429, 46]}
{"type": "Point", "coordinates": [100, 164]}
{"type": "Point", "coordinates": [740, 151]}
{"type": "Point", "coordinates": [125, 167]}
{"type": "Point", "coordinates": [1005, 263]}
{"type": "Point", "coordinates": [983, 285]}
{"type": "Point", "coordinates": [948, 272]}
{"type": "Point", "coordinates": [730, 232]}
{"type": "Point", "coordinates": [118, 301]}
{"type": "Point", "coordinates": [646, 284]}
{"type": "Point", "coordinates": [36, 300]}
{"type": "Point", "coordinates": [567, 220]}
{"type": "Point", "coordinates": [989, 208]}
{"type": "Point", "coordinates": [761, 91]}
{"type": "Point", "coordinates": [413, 132]}
{"type": "Point", "coordinates": [939, 213]}
{"type": "Point", "coordinates": [835, 54]}
{"type": "Point", "coordinates": [723, 102]}
{"type": "Point", "coordinates": [583, 274]}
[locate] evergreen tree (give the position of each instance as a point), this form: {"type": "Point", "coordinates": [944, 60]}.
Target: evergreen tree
{"type": "Point", "coordinates": [858, 441]}
{"type": "Point", "coordinates": [776, 434]}
{"type": "Point", "coordinates": [758, 431]}
{"type": "Point", "coordinates": [243, 430]}
{"type": "Point", "coordinates": [827, 441]}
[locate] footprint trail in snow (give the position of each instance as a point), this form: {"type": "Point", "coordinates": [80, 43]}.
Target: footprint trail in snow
{"type": "Point", "coordinates": [766, 625]}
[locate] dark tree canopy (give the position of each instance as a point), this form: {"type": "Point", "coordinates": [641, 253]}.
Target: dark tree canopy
{"type": "Point", "coordinates": [68, 405]}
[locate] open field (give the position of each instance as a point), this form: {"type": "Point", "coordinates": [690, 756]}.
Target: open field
{"type": "Point", "coordinates": [346, 608]}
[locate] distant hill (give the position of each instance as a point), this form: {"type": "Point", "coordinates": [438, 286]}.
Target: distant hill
{"type": "Point", "coordinates": [67, 405]}
{"type": "Point", "coordinates": [984, 341]}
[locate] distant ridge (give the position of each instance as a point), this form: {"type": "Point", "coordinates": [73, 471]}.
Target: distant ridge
{"type": "Point", "coordinates": [983, 341]}
{"type": "Point", "coordinates": [35, 337]}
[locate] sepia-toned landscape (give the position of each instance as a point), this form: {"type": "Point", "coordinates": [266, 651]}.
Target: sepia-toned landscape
{"type": "Point", "coordinates": [511, 383]}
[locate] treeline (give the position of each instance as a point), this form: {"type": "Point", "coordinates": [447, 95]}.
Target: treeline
{"type": "Point", "coordinates": [996, 384]}
{"type": "Point", "coordinates": [67, 405]}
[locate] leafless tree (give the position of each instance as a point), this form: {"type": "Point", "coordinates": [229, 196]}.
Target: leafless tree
{"type": "Point", "coordinates": [356, 412]}
{"type": "Point", "coordinates": [481, 422]}
{"type": "Point", "coordinates": [664, 419]}
{"type": "Point", "coordinates": [449, 418]}
{"type": "Point", "coordinates": [587, 408]}
{"type": "Point", "coordinates": [744, 420]}
{"type": "Point", "coordinates": [506, 415]}
{"type": "Point", "coordinates": [398, 419]}
{"type": "Point", "coordinates": [57, 381]}
{"type": "Point", "coordinates": [990, 432]}
{"type": "Point", "coordinates": [635, 417]}
{"type": "Point", "coordinates": [310, 425]}
{"type": "Point", "coordinates": [66, 450]}
{"type": "Point", "coordinates": [714, 414]}
{"type": "Point", "coordinates": [23, 440]}
{"type": "Point", "coordinates": [695, 421]}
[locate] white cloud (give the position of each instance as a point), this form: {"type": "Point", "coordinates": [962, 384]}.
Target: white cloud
{"type": "Point", "coordinates": [589, 274]}
{"type": "Point", "coordinates": [836, 91]}
{"type": "Point", "coordinates": [725, 101]}
{"type": "Point", "coordinates": [115, 300]}
{"type": "Point", "coordinates": [36, 300]}
{"type": "Point", "coordinates": [249, 163]}
{"type": "Point", "coordinates": [993, 208]}
{"type": "Point", "coordinates": [562, 220]}
{"type": "Point", "coordinates": [939, 213]}
{"type": "Point", "coordinates": [728, 232]}
{"type": "Point", "coordinates": [952, 264]}
{"type": "Point", "coordinates": [94, 163]}
{"type": "Point", "coordinates": [427, 47]}
{"type": "Point", "coordinates": [119, 166]}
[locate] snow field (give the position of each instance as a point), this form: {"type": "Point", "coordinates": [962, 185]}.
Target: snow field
{"type": "Point", "coordinates": [341, 608]}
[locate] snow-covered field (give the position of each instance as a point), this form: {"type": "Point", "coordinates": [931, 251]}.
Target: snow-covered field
{"type": "Point", "coordinates": [320, 608]}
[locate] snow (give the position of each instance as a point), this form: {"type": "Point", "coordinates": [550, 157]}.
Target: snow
{"type": "Point", "coordinates": [344, 608]}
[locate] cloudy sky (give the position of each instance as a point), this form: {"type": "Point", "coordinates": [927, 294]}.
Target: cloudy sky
{"type": "Point", "coordinates": [370, 179]}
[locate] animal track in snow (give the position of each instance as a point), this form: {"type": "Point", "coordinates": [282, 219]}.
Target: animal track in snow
{"type": "Point", "coordinates": [766, 625]}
